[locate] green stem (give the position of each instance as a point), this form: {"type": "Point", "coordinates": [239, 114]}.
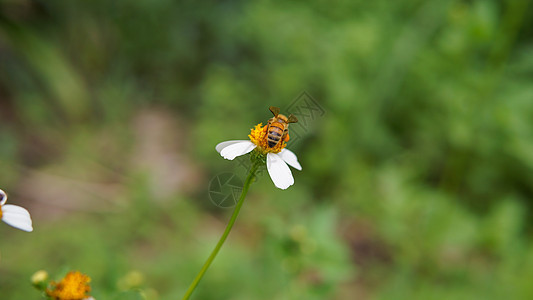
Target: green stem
{"type": "Point", "coordinates": [214, 253]}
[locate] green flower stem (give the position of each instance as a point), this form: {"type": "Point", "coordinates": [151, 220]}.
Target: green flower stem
{"type": "Point", "coordinates": [214, 253]}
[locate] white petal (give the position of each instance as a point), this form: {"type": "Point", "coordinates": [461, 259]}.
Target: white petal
{"type": "Point", "coordinates": [223, 145]}
{"type": "Point", "coordinates": [15, 209]}
{"type": "Point", "coordinates": [289, 157]}
{"type": "Point", "coordinates": [17, 216]}
{"type": "Point", "coordinates": [21, 223]}
{"type": "Point", "coordinates": [279, 171]}
{"type": "Point", "coordinates": [237, 149]}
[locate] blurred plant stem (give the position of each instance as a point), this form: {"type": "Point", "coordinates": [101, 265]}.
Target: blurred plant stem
{"type": "Point", "coordinates": [214, 253]}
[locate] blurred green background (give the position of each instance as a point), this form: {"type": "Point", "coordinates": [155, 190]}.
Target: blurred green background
{"type": "Point", "coordinates": [417, 180]}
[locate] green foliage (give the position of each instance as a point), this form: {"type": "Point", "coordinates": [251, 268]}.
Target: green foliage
{"type": "Point", "coordinates": [416, 181]}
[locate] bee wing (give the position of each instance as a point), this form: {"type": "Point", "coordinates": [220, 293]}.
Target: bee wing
{"type": "Point", "coordinates": [292, 119]}
{"type": "Point", "coordinates": [274, 110]}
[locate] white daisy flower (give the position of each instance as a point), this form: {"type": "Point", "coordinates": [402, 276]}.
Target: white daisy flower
{"type": "Point", "coordinates": [14, 215]}
{"type": "Point", "coordinates": [277, 157]}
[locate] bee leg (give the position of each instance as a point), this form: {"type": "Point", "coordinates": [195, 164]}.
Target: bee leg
{"type": "Point", "coordinates": [286, 138]}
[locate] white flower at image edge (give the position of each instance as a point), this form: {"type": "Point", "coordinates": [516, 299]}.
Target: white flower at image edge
{"type": "Point", "coordinates": [14, 215]}
{"type": "Point", "coordinates": [276, 162]}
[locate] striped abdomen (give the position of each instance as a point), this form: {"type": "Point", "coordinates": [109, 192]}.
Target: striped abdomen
{"type": "Point", "coordinates": [276, 132]}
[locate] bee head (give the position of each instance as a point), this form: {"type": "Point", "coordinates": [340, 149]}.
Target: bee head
{"type": "Point", "coordinates": [283, 118]}
{"type": "Point", "coordinates": [275, 111]}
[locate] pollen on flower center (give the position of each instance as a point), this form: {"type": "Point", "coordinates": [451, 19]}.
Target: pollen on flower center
{"type": "Point", "coordinates": [74, 286]}
{"type": "Point", "coordinates": [258, 136]}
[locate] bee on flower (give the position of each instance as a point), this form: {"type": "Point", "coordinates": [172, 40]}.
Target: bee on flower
{"type": "Point", "coordinates": [14, 215]}
{"type": "Point", "coordinates": [268, 144]}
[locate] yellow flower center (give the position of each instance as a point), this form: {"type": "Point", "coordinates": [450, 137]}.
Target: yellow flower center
{"type": "Point", "coordinates": [259, 135]}
{"type": "Point", "coordinates": [74, 286]}
{"type": "Point", "coordinates": [0, 211]}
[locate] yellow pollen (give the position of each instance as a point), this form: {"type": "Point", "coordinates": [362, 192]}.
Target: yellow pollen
{"type": "Point", "coordinates": [0, 211]}
{"type": "Point", "coordinates": [259, 135]}
{"type": "Point", "coordinates": [74, 286]}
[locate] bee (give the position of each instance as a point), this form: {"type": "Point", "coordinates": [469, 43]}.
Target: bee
{"type": "Point", "coordinates": [278, 127]}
